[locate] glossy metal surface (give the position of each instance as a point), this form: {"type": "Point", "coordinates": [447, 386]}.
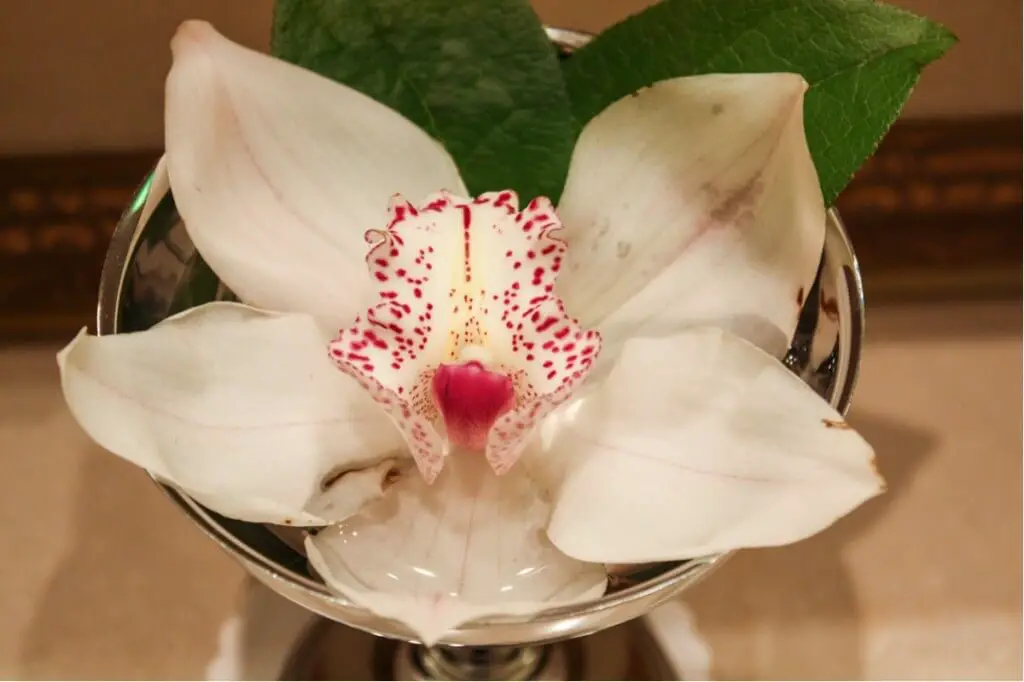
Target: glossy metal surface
{"type": "Point", "coordinates": [329, 651]}
{"type": "Point", "coordinates": [147, 263]}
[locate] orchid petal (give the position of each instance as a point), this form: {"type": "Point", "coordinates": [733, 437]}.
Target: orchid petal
{"type": "Point", "coordinates": [464, 280]}
{"type": "Point", "coordinates": [696, 444]}
{"type": "Point", "coordinates": [436, 556]}
{"type": "Point", "coordinates": [239, 408]}
{"type": "Point", "coordinates": [695, 202]}
{"type": "Point", "coordinates": [277, 172]}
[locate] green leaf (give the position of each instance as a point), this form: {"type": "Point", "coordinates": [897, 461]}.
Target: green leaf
{"type": "Point", "coordinates": [861, 58]}
{"type": "Point", "coordinates": [478, 75]}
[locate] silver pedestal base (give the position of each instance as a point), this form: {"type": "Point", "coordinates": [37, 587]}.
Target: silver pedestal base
{"type": "Point", "coordinates": [330, 651]}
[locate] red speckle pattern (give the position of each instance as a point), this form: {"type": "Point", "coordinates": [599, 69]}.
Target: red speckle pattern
{"type": "Point", "coordinates": [458, 272]}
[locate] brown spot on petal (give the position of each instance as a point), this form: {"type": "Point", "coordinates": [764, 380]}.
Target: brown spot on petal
{"type": "Point", "coordinates": [738, 201]}
{"type": "Point", "coordinates": [800, 296]}
{"type": "Point", "coordinates": [836, 424]}
{"type": "Point", "coordinates": [830, 307]}
{"type": "Point", "coordinates": [287, 522]}
{"type": "Point", "coordinates": [717, 109]}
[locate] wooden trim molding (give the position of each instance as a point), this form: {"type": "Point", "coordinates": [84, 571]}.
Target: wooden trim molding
{"type": "Point", "coordinates": [936, 213]}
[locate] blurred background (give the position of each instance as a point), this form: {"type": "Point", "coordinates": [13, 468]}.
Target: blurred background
{"type": "Point", "coordinates": [100, 577]}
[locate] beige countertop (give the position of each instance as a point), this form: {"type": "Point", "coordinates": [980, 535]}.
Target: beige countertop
{"type": "Point", "coordinates": [101, 577]}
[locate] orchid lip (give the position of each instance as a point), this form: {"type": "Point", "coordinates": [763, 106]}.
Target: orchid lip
{"type": "Point", "coordinates": [468, 331]}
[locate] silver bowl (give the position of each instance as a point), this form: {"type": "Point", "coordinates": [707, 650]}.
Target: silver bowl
{"type": "Point", "coordinates": [142, 281]}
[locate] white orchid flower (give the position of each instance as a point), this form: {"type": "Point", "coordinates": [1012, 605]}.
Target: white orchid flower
{"type": "Point", "coordinates": [656, 423]}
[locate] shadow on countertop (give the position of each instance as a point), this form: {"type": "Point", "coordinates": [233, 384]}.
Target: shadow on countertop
{"type": "Point", "coordinates": [792, 612]}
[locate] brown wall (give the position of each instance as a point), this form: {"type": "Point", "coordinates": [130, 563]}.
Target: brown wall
{"type": "Point", "coordinates": [87, 74]}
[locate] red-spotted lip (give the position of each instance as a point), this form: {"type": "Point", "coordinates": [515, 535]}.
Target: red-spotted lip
{"type": "Point", "coordinates": [455, 274]}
